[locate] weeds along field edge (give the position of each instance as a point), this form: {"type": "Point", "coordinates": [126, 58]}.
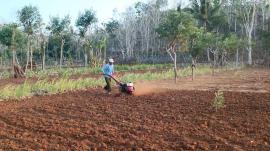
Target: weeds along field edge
{"type": "Point", "coordinates": [63, 84]}
{"type": "Point", "coordinates": [65, 72]}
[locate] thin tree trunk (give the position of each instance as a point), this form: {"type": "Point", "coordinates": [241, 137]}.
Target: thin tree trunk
{"type": "Point", "coordinates": [28, 49]}
{"type": "Point", "coordinates": [79, 50]}
{"type": "Point", "coordinates": [43, 55]}
{"type": "Point", "coordinates": [13, 53]}
{"type": "Point", "coordinates": [237, 57]}
{"type": "Point", "coordinates": [237, 50]}
{"type": "Point", "coordinates": [123, 54]}
{"type": "Point", "coordinates": [175, 67]}
{"type": "Point", "coordinates": [61, 54]}
{"type": "Point", "coordinates": [13, 61]}
{"type": "Point", "coordinates": [16, 58]}
{"type": "Point", "coordinates": [105, 51]}
{"type": "Point", "coordinates": [85, 58]}
{"type": "Point", "coordinates": [31, 57]}
{"type": "Point", "coordinates": [13, 48]}
{"type": "Point", "coordinates": [147, 42]}
{"type": "Point", "coordinates": [1, 60]}
{"type": "Point", "coordinates": [249, 50]}
{"type": "Point", "coordinates": [193, 67]}
{"type": "Point", "coordinates": [249, 29]}
{"type": "Point", "coordinates": [208, 55]}
{"type": "Point", "coordinates": [13, 57]}
{"type": "Point", "coordinates": [214, 63]}
{"type": "Point", "coordinates": [170, 50]}
{"type": "Point", "coordinates": [263, 17]}
{"type": "Point", "coordinates": [192, 73]}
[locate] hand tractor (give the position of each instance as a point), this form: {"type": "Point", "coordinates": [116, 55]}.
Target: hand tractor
{"type": "Point", "coordinates": [127, 88]}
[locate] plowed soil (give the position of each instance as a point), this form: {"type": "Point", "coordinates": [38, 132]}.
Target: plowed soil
{"type": "Point", "coordinates": [172, 119]}
{"type": "Point", "coordinates": [247, 80]}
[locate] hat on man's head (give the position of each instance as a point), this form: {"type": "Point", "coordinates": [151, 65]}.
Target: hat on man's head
{"type": "Point", "coordinates": [111, 60]}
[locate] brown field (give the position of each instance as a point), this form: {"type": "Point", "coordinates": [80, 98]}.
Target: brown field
{"type": "Point", "coordinates": [160, 116]}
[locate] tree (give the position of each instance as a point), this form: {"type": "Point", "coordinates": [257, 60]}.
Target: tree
{"type": "Point", "coordinates": [266, 42]}
{"type": "Point", "coordinates": [246, 9]}
{"type": "Point", "coordinates": [176, 28]}
{"type": "Point", "coordinates": [197, 43]}
{"type": "Point", "coordinates": [30, 18]}
{"type": "Point", "coordinates": [43, 49]}
{"type": "Point", "coordinates": [102, 46]}
{"type": "Point", "coordinates": [111, 27]}
{"type": "Point", "coordinates": [97, 46]}
{"type": "Point", "coordinates": [207, 12]}
{"type": "Point", "coordinates": [209, 15]}
{"type": "Point", "coordinates": [232, 44]}
{"type": "Point", "coordinates": [60, 27]}
{"type": "Point", "coordinates": [11, 37]}
{"type": "Point", "coordinates": [84, 22]}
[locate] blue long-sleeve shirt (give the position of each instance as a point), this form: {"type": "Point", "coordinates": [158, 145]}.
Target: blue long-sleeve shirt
{"type": "Point", "coordinates": [107, 70]}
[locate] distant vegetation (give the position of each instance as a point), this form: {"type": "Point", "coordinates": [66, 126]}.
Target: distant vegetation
{"type": "Point", "coordinates": [214, 32]}
{"type": "Point", "coordinates": [63, 84]}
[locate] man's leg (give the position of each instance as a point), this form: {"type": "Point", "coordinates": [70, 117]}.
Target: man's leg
{"type": "Point", "coordinates": [108, 84]}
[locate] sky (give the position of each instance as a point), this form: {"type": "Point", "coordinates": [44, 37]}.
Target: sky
{"type": "Point", "coordinates": [48, 8]}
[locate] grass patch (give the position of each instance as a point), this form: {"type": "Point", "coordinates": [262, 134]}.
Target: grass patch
{"type": "Point", "coordinates": [150, 76]}
{"type": "Point", "coordinates": [67, 72]}
{"type": "Point", "coordinates": [44, 86]}
{"type": "Point", "coordinates": [219, 100]}
{"type": "Point", "coordinates": [4, 74]}
{"type": "Point", "coordinates": [64, 84]}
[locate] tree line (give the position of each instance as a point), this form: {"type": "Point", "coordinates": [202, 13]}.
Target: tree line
{"type": "Point", "coordinates": [212, 31]}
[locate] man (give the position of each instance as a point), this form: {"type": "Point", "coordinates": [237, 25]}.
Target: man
{"type": "Point", "coordinates": [108, 70]}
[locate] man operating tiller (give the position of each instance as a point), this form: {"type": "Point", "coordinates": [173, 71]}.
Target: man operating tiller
{"type": "Point", "coordinates": [108, 70]}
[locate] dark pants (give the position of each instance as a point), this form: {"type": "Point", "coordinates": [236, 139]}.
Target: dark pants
{"type": "Point", "coordinates": [108, 84]}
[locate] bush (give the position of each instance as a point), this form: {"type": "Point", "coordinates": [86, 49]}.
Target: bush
{"type": "Point", "coordinates": [219, 100]}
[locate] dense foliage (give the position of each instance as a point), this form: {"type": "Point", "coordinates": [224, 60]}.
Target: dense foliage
{"type": "Point", "coordinates": [208, 31]}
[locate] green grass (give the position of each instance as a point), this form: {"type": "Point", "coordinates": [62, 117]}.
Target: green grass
{"type": "Point", "coordinates": [149, 76]}
{"type": "Point", "coordinates": [44, 86]}
{"type": "Point", "coordinates": [64, 84]}
{"type": "Point", "coordinates": [67, 72]}
{"type": "Point", "coordinates": [141, 67]}
{"type": "Point", "coordinates": [218, 101]}
{"type": "Point", "coordinates": [4, 74]}
{"type": "Point", "coordinates": [64, 72]}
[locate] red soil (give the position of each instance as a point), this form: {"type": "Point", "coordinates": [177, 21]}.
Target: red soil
{"type": "Point", "coordinates": [169, 120]}
{"type": "Point", "coordinates": [175, 120]}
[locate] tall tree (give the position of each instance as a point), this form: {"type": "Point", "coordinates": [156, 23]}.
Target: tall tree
{"type": "Point", "coordinates": [206, 11]}
{"type": "Point", "coordinates": [30, 18]}
{"type": "Point", "coordinates": [84, 21]}
{"type": "Point", "coordinates": [209, 15]}
{"type": "Point", "coordinates": [11, 37]}
{"type": "Point", "coordinates": [43, 42]}
{"type": "Point", "coordinates": [231, 45]}
{"type": "Point", "coordinates": [247, 10]}
{"type": "Point", "coordinates": [176, 28]}
{"type": "Point", "coordinates": [111, 28]}
{"type": "Point", "coordinates": [60, 27]}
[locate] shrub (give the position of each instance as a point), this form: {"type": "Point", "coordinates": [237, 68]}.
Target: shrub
{"type": "Point", "coordinates": [218, 100]}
